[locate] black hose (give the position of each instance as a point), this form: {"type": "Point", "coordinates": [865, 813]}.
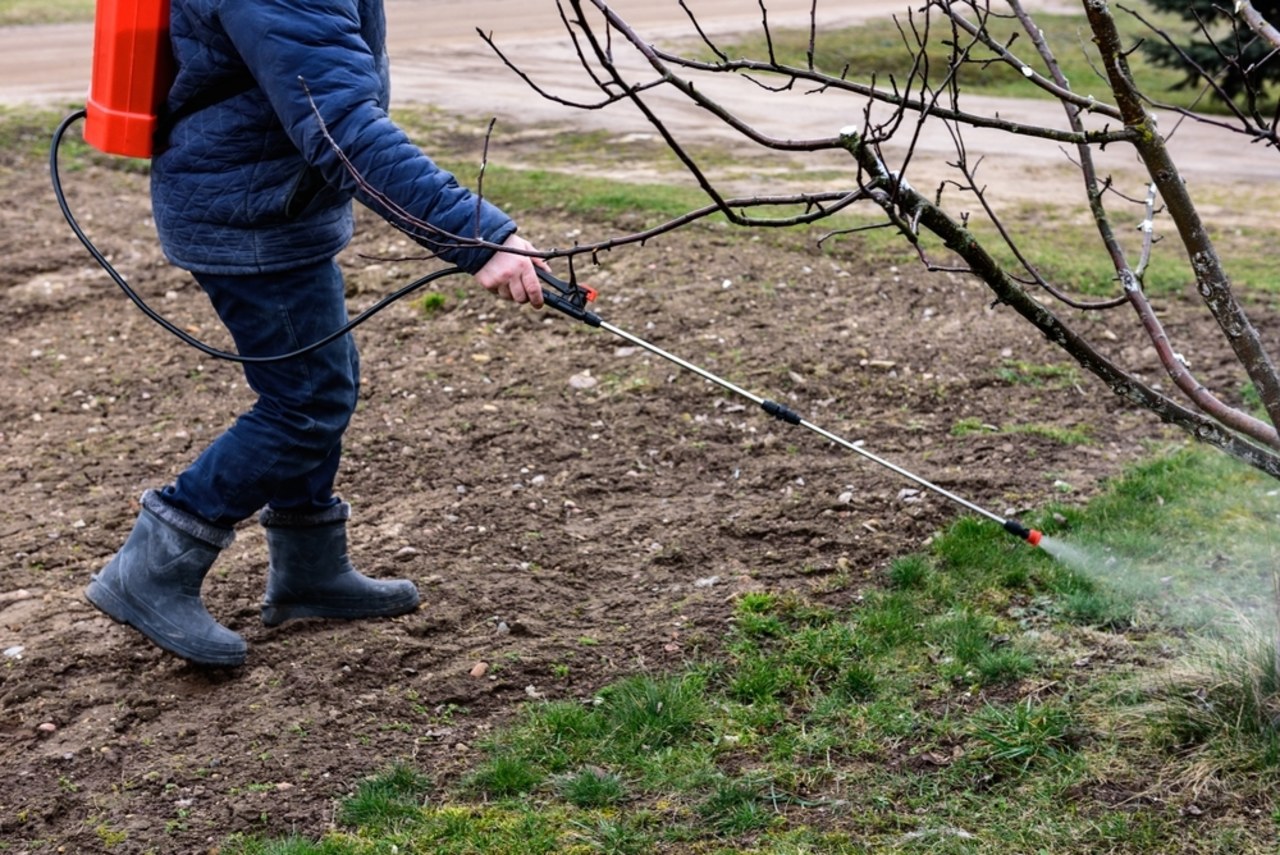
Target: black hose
{"type": "Point", "coordinates": [182, 335]}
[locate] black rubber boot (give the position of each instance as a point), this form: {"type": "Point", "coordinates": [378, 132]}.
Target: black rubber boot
{"type": "Point", "coordinates": [153, 584]}
{"type": "Point", "coordinates": [312, 577]}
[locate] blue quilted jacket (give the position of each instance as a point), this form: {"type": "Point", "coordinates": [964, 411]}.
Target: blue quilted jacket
{"type": "Point", "coordinates": [246, 181]}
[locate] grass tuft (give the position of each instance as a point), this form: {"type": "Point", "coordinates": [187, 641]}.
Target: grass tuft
{"type": "Point", "coordinates": [735, 807]}
{"type": "Point", "coordinates": [505, 776]}
{"type": "Point", "coordinates": [592, 787]}
{"type": "Point", "coordinates": [386, 801]}
{"type": "Point", "coordinates": [1012, 739]}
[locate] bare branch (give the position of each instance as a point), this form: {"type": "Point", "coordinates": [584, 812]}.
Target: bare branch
{"type": "Point", "coordinates": [1123, 383]}
{"type": "Point", "coordinates": [1211, 279]}
{"type": "Point", "coordinates": [1257, 23]}
{"type": "Point", "coordinates": [929, 92]}
{"type": "Point", "coordinates": [894, 98]}
{"type": "Point", "coordinates": [1056, 87]}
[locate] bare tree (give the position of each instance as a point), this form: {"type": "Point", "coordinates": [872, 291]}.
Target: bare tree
{"type": "Point", "coordinates": [895, 109]}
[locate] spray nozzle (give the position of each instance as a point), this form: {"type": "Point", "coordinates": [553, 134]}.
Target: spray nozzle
{"type": "Point", "coordinates": [1020, 531]}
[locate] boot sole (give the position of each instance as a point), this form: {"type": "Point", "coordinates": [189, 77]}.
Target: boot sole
{"type": "Point", "coordinates": [118, 609]}
{"type": "Point", "coordinates": [275, 614]}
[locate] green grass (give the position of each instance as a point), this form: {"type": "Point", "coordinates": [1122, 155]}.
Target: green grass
{"type": "Point", "coordinates": [1057, 375]}
{"type": "Point", "coordinates": [877, 48]}
{"type": "Point", "coordinates": [1081, 435]}
{"type": "Point", "coordinates": [386, 801]}
{"type": "Point", "coordinates": [641, 205]}
{"type": "Point", "coordinates": [432, 303]}
{"type": "Point", "coordinates": [982, 697]}
{"type": "Point", "coordinates": [25, 134]}
{"type": "Point", "coordinates": [14, 12]}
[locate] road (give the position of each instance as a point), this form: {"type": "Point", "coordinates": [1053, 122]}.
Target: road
{"type": "Point", "coordinates": [50, 63]}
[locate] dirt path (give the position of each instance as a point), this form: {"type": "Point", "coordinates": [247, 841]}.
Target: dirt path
{"type": "Point", "coordinates": [439, 59]}
{"type": "Point", "coordinates": [51, 63]}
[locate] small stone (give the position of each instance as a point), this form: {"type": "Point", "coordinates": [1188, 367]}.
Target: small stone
{"type": "Point", "coordinates": [532, 691]}
{"type": "Point", "coordinates": [48, 728]}
{"type": "Point", "coordinates": [479, 669]}
{"type": "Point", "coordinates": [583, 380]}
{"type": "Point", "coordinates": [706, 582]}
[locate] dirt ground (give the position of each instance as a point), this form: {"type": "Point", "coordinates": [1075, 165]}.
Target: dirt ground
{"type": "Point", "coordinates": [588, 513]}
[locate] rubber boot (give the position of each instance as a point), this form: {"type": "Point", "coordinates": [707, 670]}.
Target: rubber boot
{"type": "Point", "coordinates": [153, 584]}
{"type": "Point", "coordinates": [311, 576]}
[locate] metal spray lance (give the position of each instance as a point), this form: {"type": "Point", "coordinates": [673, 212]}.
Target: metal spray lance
{"type": "Point", "coordinates": [571, 299]}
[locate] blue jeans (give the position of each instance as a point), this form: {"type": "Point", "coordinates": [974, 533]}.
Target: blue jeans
{"type": "Point", "coordinates": [284, 452]}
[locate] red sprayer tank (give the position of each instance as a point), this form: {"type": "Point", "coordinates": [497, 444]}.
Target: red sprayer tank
{"type": "Point", "coordinates": [132, 71]}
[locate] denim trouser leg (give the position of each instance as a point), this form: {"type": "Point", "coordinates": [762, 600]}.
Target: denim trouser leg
{"type": "Point", "coordinates": [284, 452]}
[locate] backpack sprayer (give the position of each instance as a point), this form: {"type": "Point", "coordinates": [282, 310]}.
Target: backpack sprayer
{"type": "Point", "coordinates": [132, 71]}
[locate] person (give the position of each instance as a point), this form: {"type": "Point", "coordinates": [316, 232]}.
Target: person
{"type": "Point", "coordinates": [277, 121]}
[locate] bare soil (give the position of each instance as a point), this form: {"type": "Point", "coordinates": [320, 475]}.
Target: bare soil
{"type": "Point", "coordinates": [578, 513]}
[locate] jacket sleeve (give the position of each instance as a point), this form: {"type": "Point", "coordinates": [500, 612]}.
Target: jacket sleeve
{"type": "Point", "coordinates": [312, 61]}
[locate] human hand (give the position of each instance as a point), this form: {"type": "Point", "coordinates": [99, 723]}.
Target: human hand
{"type": "Point", "coordinates": [512, 276]}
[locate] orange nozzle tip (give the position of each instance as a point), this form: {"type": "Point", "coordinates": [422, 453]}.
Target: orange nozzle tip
{"type": "Point", "coordinates": [591, 293]}
{"type": "Point", "coordinates": [1034, 537]}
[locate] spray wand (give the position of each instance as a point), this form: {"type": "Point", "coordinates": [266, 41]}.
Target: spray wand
{"type": "Point", "coordinates": [571, 299]}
